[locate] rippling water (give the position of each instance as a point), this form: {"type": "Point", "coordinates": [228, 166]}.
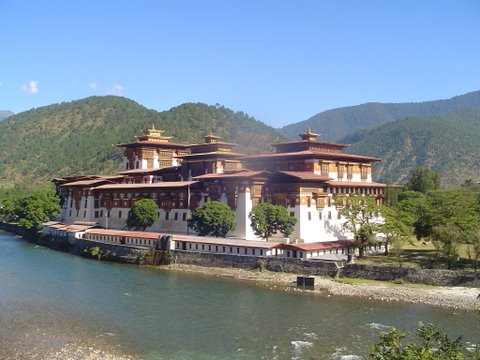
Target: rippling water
{"type": "Point", "coordinates": [49, 299]}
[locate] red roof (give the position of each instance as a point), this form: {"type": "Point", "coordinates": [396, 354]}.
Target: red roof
{"type": "Point", "coordinates": [159, 185]}
{"type": "Point", "coordinates": [226, 241]}
{"type": "Point", "coordinates": [314, 154]}
{"type": "Point", "coordinates": [134, 234]}
{"type": "Point", "coordinates": [325, 143]}
{"type": "Point", "coordinates": [325, 245]}
{"type": "Point", "coordinates": [305, 175]}
{"type": "Point", "coordinates": [149, 171]}
{"type": "Point", "coordinates": [165, 144]}
{"type": "Point", "coordinates": [236, 175]}
{"type": "Point", "coordinates": [92, 182]}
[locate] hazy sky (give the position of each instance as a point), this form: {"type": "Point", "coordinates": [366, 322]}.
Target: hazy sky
{"type": "Point", "coordinates": [279, 61]}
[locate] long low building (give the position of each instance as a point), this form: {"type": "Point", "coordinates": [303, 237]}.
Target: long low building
{"type": "Point", "coordinates": [203, 244]}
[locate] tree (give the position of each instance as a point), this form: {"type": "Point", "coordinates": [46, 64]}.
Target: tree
{"type": "Point", "coordinates": [446, 238]}
{"type": "Point", "coordinates": [361, 215]}
{"type": "Point", "coordinates": [432, 344]}
{"type": "Point", "coordinates": [423, 180]}
{"type": "Point", "coordinates": [143, 214]}
{"type": "Point", "coordinates": [396, 227]}
{"type": "Point", "coordinates": [455, 206]}
{"type": "Point", "coordinates": [213, 218]}
{"type": "Point", "coordinates": [267, 219]}
{"type": "Point", "coordinates": [30, 208]}
{"type": "Point", "coordinates": [474, 240]}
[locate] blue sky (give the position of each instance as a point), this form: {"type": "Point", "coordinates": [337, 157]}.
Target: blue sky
{"type": "Point", "coordinates": [279, 61]}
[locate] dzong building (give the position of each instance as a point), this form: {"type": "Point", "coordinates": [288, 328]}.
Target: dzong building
{"type": "Point", "coordinates": [303, 176]}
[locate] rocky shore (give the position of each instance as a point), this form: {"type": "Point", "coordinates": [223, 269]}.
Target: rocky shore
{"type": "Point", "coordinates": [461, 298]}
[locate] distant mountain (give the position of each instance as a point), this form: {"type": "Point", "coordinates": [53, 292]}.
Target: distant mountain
{"type": "Point", "coordinates": [78, 137]}
{"type": "Point", "coordinates": [4, 114]}
{"type": "Point", "coordinates": [449, 144]}
{"type": "Point", "coordinates": [338, 123]}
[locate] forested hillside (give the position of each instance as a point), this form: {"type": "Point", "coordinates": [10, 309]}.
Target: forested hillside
{"type": "Point", "coordinates": [338, 123]}
{"type": "Point", "coordinates": [449, 145]}
{"type": "Point", "coordinates": [78, 137]}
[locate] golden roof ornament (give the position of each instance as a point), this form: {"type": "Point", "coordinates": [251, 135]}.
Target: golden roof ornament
{"type": "Point", "coordinates": [309, 135]}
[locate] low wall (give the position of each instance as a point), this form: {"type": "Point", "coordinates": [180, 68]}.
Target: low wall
{"type": "Point", "coordinates": [413, 275]}
{"type": "Point", "coordinates": [18, 230]}
{"type": "Point", "coordinates": [253, 262]}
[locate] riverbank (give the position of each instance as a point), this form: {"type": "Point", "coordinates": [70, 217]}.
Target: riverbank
{"type": "Point", "coordinates": [461, 298]}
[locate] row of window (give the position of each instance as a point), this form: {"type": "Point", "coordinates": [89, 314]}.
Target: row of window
{"type": "Point", "coordinates": [222, 249]}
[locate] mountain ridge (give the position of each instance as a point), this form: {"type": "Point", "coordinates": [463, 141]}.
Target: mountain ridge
{"type": "Point", "coordinates": [335, 124]}
{"type": "Point", "coordinates": [448, 144]}
{"type": "Point", "coordinates": [77, 137]}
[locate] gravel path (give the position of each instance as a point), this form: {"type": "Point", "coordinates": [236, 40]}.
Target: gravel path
{"type": "Point", "coordinates": [461, 298]}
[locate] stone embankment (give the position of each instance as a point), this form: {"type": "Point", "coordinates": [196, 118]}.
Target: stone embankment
{"type": "Point", "coordinates": [461, 298]}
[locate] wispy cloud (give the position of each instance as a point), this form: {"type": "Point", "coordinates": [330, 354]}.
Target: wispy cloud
{"type": "Point", "coordinates": [31, 88]}
{"type": "Point", "coordinates": [93, 86]}
{"type": "Point", "coordinates": [1, 83]}
{"type": "Point", "coordinates": [116, 89]}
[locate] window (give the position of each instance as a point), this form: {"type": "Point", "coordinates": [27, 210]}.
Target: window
{"type": "Point", "coordinates": [216, 248]}
{"type": "Point", "coordinates": [261, 252]}
{"type": "Point", "coordinates": [86, 202]}
{"type": "Point", "coordinates": [120, 214]}
{"type": "Point", "coordinates": [292, 213]}
{"type": "Point", "coordinates": [238, 250]}
{"type": "Point", "coordinates": [325, 169]}
{"type": "Point", "coordinates": [309, 215]}
{"type": "Point", "coordinates": [349, 172]}
{"type": "Point", "coordinates": [231, 249]}
{"type": "Point", "coordinates": [189, 246]}
{"type": "Point", "coordinates": [84, 214]}
{"type": "Point", "coordinates": [320, 216]}
{"type": "Point", "coordinates": [70, 213]}
{"type": "Point", "coordinates": [101, 213]}
{"type": "Point", "coordinates": [184, 217]}
{"type": "Point", "coordinates": [364, 172]}
{"type": "Point", "coordinates": [95, 214]}
{"type": "Point", "coordinates": [209, 248]}
{"type": "Point", "coordinates": [175, 216]}
{"type": "Point", "coordinates": [203, 247]}
{"type": "Point", "coordinates": [253, 251]}
{"type": "Point", "coordinates": [196, 246]}
{"type": "Point", "coordinates": [224, 249]}
{"type": "Point", "coordinates": [167, 215]}
{"type": "Point", "coordinates": [341, 171]}
{"type": "Point", "coordinates": [330, 215]}
{"type": "Point", "coordinates": [245, 250]}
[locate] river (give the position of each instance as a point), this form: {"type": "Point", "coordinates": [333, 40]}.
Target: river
{"type": "Point", "coordinates": [49, 299]}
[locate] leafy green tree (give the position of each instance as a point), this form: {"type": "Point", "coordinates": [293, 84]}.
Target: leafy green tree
{"type": "Point", "coordinates": [431, 344]}
{"type": "Point", "coordinates": [213, 218]}
{"type": "Point", "coordinates": [446, 238]}
{"type": "Point", "coordinates": [267, 219]}
{"type": "Point", "coordinates": [361, 215]}
{"type": "Point", "coordinates": [447, 206]}
{"type": "Point", "coordinates": [423, 180]}
{"type": "Point", "coordinates": [30, 208]}
{"type": "Point", "coordinates": [474, 242]}
{"type": "Point", "coordinates": [396, 227]}
{"type": "Point", "coordinates": [143, 214]}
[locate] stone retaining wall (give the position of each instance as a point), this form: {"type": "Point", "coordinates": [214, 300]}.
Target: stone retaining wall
{"type": "Point", "coordinates": [253, 262]}
{"type": "Point", "coordinates": [413, 275]}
